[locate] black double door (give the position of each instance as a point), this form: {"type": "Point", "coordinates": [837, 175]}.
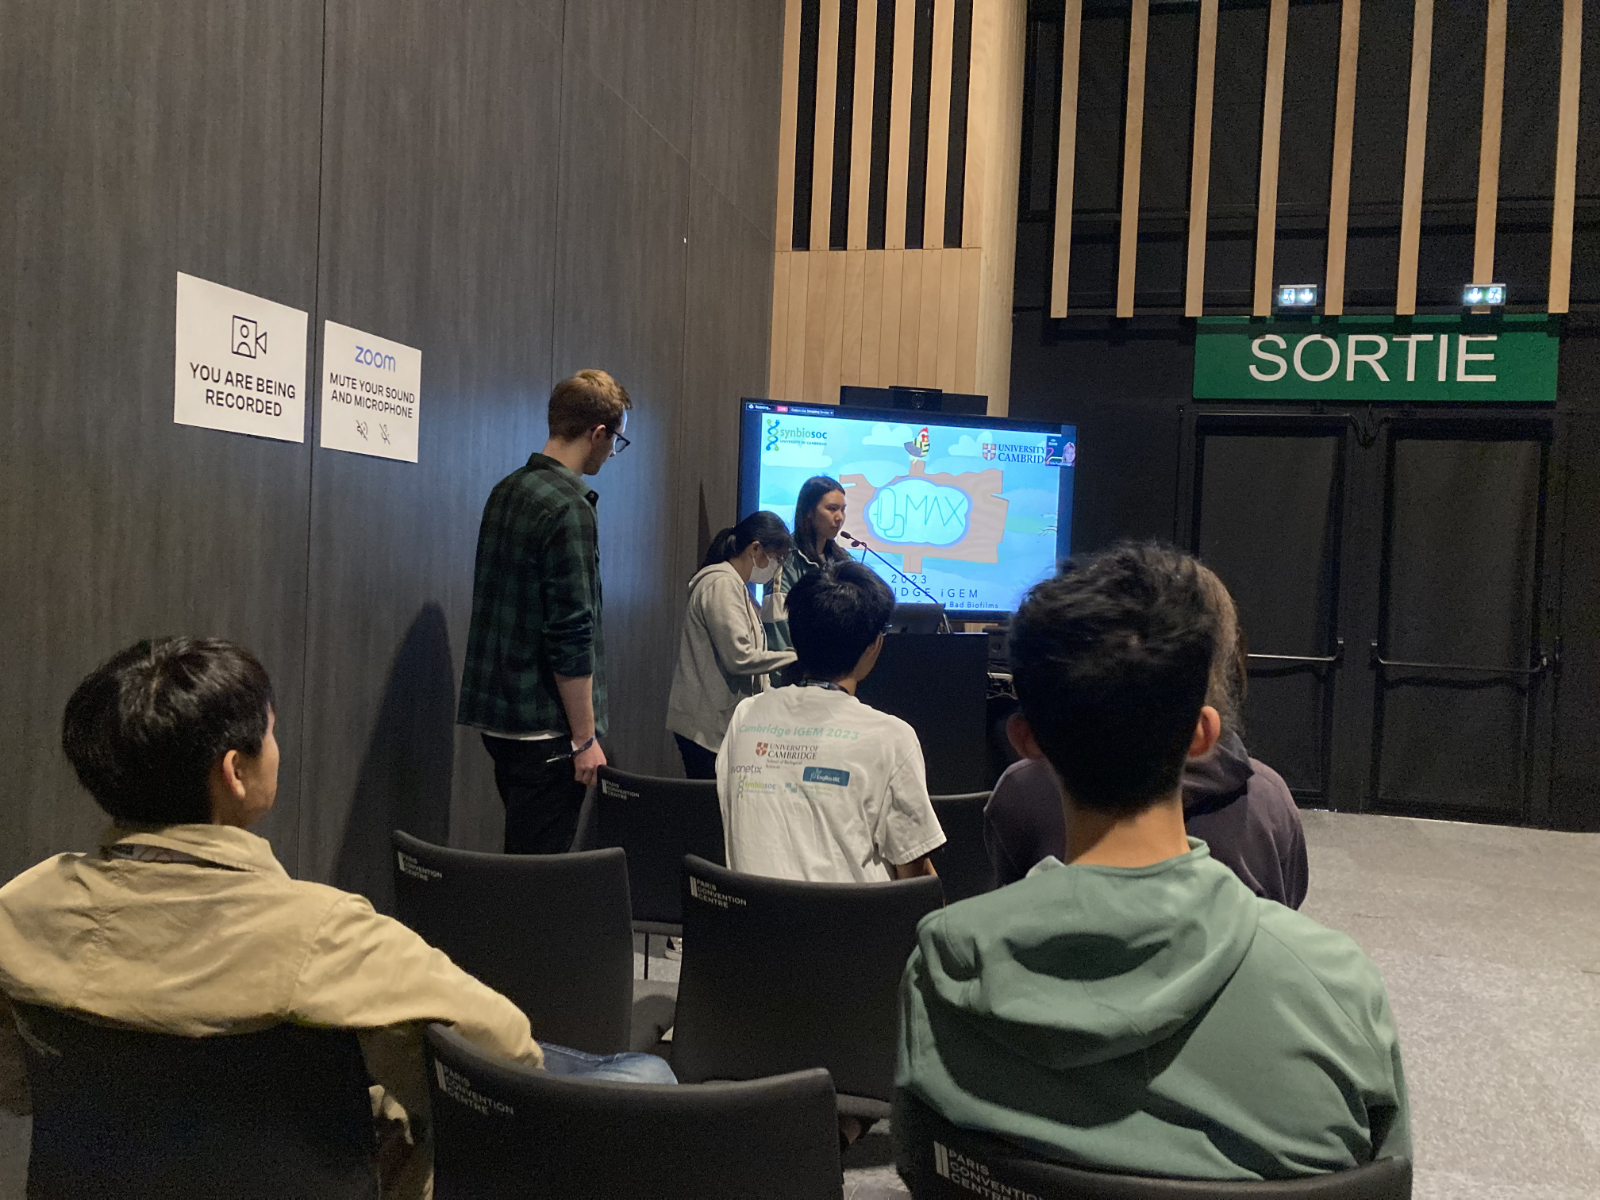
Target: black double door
{"type": "Point", "coordinates": [1390, 574]}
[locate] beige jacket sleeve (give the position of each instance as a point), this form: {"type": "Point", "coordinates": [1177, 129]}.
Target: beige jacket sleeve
{"type": "Point", "coordinates": [369, 972]}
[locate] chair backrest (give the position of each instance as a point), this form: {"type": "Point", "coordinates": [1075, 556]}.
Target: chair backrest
{"type": "Point", "coordinates": [551, 932]}
{"type": "Point", "coordinates": [119, 1112]}
{"type": "Point", "coordinates": [502, 1130]}
{"type": "Point", "coordinates": [963, 861]}
{"type": "Point", "coordinates": [657, 822]}
{"type": "Point", "coordinates": [779, 976]}
{"type": "Point", "coordinates": [938, 1161]}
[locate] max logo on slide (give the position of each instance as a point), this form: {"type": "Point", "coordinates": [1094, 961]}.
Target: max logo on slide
{"type": "Point", "coordinates": [761, 748]}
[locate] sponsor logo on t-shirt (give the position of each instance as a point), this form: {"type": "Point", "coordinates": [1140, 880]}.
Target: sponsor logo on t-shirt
{"type": "Point", "coordinates": [826, 775]}
{"type": "Point", "coordinates": [788, 752]}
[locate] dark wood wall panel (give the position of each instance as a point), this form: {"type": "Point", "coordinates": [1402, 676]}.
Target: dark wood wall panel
{"type": "Point", "coordinates": [645, 53]}
{"type": "Point", "coordinates": [737, 51]}
{"type": "Point", "coordinates": [438, 231]}
{"type": "Point", "coordinates": [137, 141]}
{"type": "Point", "coordinates": [723, 360]}
{"type": "Point", "coordinates": [620, 272]}
{"type": "Point", "coordinates": [519, 190]}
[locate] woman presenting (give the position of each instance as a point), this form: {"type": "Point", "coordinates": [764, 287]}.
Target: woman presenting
{"type": "Point", "coordinates": [723, 655]}
{"type": "Point", "coordinates": [818, 518]}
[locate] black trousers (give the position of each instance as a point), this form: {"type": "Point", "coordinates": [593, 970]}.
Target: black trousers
{"type": "Point", "coordinates": [698, 762]}
{"type": "Point", "coordinates": [541, 796]}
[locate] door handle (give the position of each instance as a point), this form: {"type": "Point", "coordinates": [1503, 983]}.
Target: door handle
{"type": "Point", "coordinates": [1533, 672]}
{"type": "Point", "coordinates": [1302, 660]}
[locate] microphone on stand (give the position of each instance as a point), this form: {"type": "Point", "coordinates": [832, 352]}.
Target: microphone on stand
{"type": "Point", "coordinates": [944, 621]}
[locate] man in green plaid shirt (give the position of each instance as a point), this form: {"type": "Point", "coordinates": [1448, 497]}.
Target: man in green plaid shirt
{"type": "Point", "coordinates": [534, 682]}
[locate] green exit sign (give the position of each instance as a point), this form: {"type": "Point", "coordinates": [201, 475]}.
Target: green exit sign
{"type": "Point", "coordinates": [1483, 359]}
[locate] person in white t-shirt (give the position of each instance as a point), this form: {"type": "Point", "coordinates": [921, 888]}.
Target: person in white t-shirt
{"type": "Point", "coordinates": [814, 784]}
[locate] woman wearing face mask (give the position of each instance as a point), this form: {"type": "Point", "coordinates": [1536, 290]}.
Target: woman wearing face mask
{"type": "Point", "coordinates": [818, 518]}
{"type": "Point", "coordinates": [723, 655]}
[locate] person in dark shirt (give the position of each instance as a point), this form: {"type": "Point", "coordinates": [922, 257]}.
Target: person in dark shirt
{"type": "Point", "coordinates": [534, 682]}
{"type": "Point", "coordinates": [1240, 807]}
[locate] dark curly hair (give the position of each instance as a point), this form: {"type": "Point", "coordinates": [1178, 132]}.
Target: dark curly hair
{"type": "Point", "coordinates": [143, 730]}
{"type": "Point", "coordinates": [1111, 660]}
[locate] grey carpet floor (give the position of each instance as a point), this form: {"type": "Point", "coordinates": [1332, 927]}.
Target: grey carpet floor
{"type": "Point", "coordinates": [1489, 939]}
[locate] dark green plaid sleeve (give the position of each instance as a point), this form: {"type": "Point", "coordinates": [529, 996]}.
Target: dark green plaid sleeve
{"type": "Point", "coordinates": [570, 592]}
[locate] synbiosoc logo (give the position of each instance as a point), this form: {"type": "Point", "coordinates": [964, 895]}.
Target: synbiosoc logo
{"type": "Point", "coordinates": [779, 435]}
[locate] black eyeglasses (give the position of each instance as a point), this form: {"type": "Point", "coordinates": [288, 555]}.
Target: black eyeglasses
{"type": "Point", "coordinates": [620, 444]}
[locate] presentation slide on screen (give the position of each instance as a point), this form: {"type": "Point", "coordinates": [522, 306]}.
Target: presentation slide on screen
{"type": "Point", "coordinates": [975, 515]}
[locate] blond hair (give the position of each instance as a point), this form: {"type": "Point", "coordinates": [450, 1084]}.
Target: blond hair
{"type": "Point", "coordinates": [585, 400]}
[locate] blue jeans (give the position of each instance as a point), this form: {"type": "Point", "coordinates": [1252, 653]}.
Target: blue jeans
{"type": "Point", "coordinates": [619, 1068]}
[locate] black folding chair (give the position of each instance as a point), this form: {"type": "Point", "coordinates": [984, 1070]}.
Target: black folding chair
{"type": "Point", "coordinates": [963, 861]}
{"type": "Point", "coordinates": [939, 1161]}
{"type": "Point", "coordinates": [780, 976]}
{"type": "Point", "coordinates": [151, 1116]}
{"type": "Point", "coordinates": [551, 932]}
{"type": "Point", "coordinates": [503, 1131]}
{"type": "Point", "coordinates": [657, 822]}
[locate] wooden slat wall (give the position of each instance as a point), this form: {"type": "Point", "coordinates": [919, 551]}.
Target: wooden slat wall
{"type": "Point", "coordinates": [1132, 150]}
{"type": "Point", "coordinates": [1004, 23]}
{"type": "Point", "coordinates": [1416, 150]}
{"type": "Point", "coordinates": [1344, 125]}
{"type": "Point", "coordinates": [788, 115]}
{"type": "Point", "coordinates": [1566, 157]}
{"type": "Point", "coordinates": [1067, 150]}
{"type": "Point", "coordinates": [861, 123]}
{"type": "Point", "coordinates": [783, 226]}
{"type": "Point", "coordinates": [822, 147]}
{"type": "Point", "coordinates": [1494, 82]}
{"type": "Point", "coordinates": [938, 123]}
{"type": "Point", "coordinates": [900, 123]}
{"type": "Point", "coordinates": [1200, 174]}
{"type": "Point", "coordinates": [1271, 138]}
{"type": "Point", "coordinates": [933, 317]}
{"type": "Point", "coordinates": [941, 316]}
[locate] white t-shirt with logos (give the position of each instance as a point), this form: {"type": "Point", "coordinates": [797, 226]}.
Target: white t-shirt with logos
{"type": "Point", "coordinates": [816, 785]}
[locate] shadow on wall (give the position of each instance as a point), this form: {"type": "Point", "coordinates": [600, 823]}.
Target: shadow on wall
{"type": "Point", "coordinates": [404, 781]}
{"type": "Point", "coordinates": [704, 532]}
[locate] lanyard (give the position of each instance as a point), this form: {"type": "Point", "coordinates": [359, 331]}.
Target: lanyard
{"type": "Point", "coordinates": [822, 683]}
{"type": "Point", "coordinates": [142, 852]}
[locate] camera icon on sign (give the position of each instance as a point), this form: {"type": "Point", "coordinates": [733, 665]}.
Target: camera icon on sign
{"type": "Point", "coordinates": [248, 338]}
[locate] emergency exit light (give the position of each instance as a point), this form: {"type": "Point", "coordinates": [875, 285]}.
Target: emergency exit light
{"type": "Point", "coordinates": [1481, 295]}
{"type": "Point", "coordinates": [1298, 295]}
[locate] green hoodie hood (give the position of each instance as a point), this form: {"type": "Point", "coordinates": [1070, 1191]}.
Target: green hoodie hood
{"type": "Point", "coordinates": [1158, 1020]}
{"type": "Point", "coordinates": [1091, 963]}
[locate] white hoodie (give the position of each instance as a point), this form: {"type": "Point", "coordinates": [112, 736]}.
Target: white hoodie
{"type": "Point", "coordinates": [722, 657]}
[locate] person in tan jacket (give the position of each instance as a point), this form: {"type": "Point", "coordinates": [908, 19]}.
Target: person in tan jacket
{"type": "Point", "coordinates": [183, 922]}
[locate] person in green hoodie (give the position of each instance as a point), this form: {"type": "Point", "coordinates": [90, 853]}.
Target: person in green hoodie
{"type": "Point", "coordinates": [1138, 1009]}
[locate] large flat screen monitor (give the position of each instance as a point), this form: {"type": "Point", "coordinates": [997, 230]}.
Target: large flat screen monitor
{"type": "Point", "coordinates": [975, 509]}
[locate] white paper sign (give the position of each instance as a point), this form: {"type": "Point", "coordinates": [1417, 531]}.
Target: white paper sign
{"type": "Point", "coordinates": [371, 393]}
{"type": "Point", "coordinates": [240, 362]}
